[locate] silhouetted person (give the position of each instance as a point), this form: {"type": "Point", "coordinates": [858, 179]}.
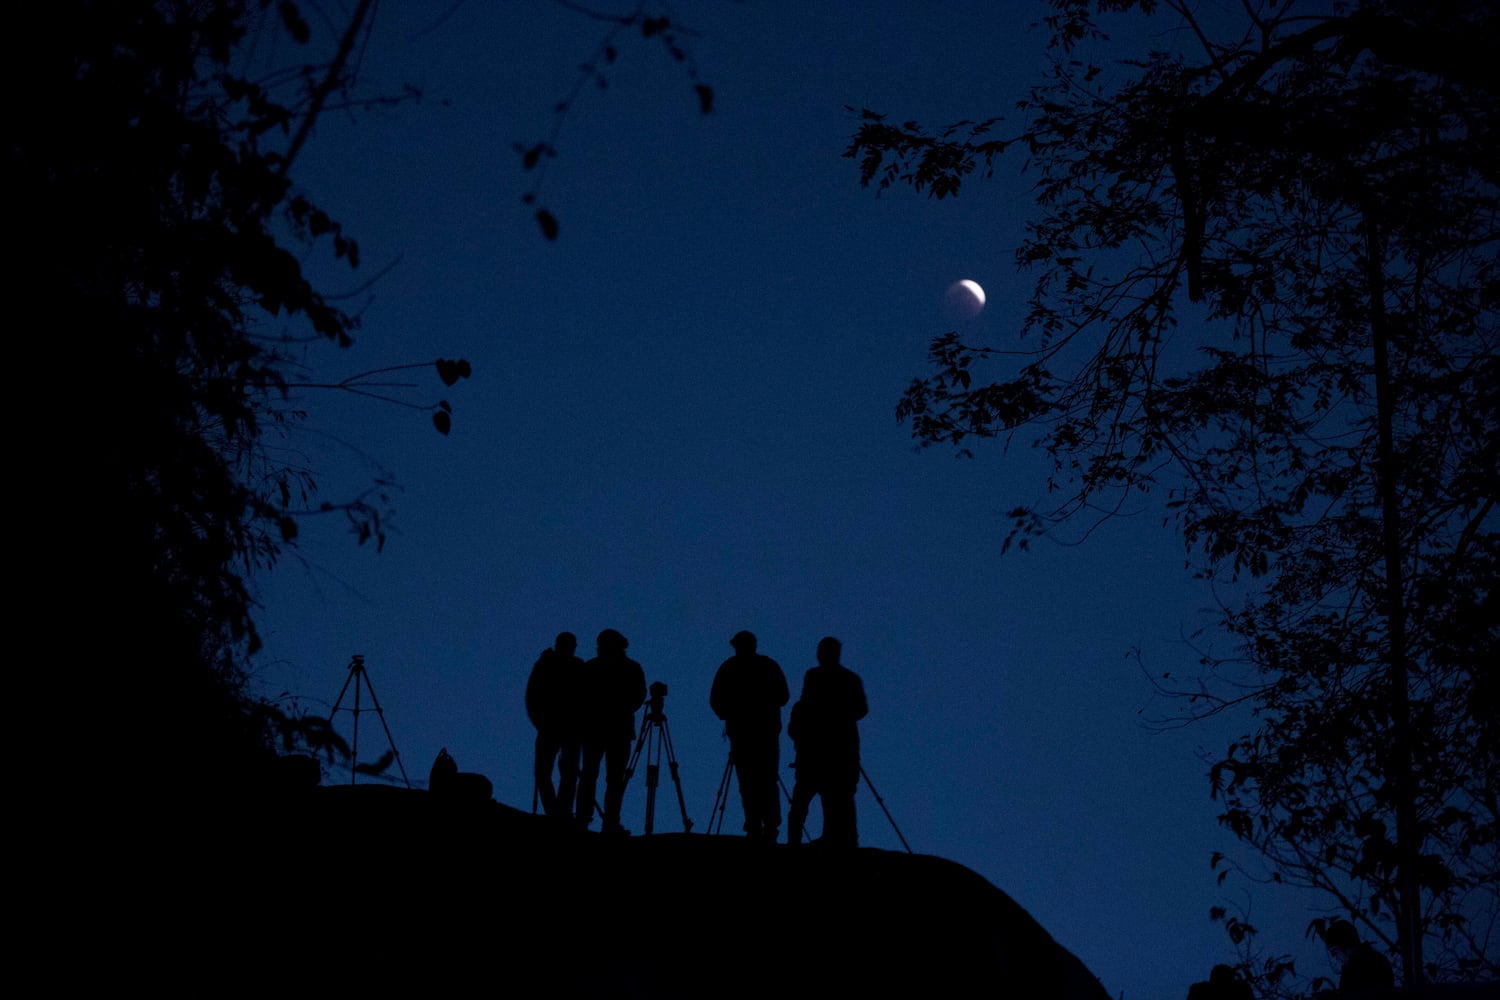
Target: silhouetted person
{"type": "Point", "coordinates": [1222, 984]}
{"type": "Point", "coordinates": [552, 703]}
{"type": "Point", "coordinates": [825, 733]}
{"type": "Point", "coordinates": [1360, 966]}
{"type": "Point", "coordinates": [748, 693]}
{"type": "Point", "coordinates": [614, 686]}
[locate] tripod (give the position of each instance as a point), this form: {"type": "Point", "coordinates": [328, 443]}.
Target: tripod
{"type": "Point", "coordinates": [721, 801]}
{"type": "Point", "coordinates": [721, 798]}
{"type": "Point", "coordinates": [359, 677]}
{"type": "Point", "coordinates": [654, 739]}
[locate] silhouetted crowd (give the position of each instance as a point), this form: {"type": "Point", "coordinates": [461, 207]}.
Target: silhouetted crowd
{"type": "Point", "coordinates": [584, 713]}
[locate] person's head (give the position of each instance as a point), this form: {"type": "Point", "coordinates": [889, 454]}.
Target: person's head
{"type": "Point", "coordinates": [566, 643]}
{"type": "Point", "coordinates": [829, 650]}
{"type": "Point", "coordinates": [1221, 975]}
{"type": "Point", "coordinates": [743, 643]}
{"type": "Point", "coordinates": [1341, 934]}
{"type": "Point", "coordinates": [1341, 940]}
{"type": "Point", "coordinates": [611, 641]}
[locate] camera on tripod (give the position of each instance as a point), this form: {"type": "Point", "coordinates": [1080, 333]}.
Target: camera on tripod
{"type": "Point", "coordinates": [656, 742]}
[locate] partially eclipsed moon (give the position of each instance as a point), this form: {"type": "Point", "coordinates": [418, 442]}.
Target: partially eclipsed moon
{"type": "Point", "coordinates": [966, 296]}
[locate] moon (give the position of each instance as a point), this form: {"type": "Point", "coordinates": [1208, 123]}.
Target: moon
{"type": "Point", "coordinates": [966, 297]}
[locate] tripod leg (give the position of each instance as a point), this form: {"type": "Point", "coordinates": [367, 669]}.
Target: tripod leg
{"type": "Point", "coordinates": [342, 691]}
{"type": "Point", "coordinates": [380, 714]}
{"type": "Point", "coordinates": [354, 744]}
{"type": "Point", "coordinates": [883, 809]}
{"type": "Point", "coordinates": [635, 755]}
{"type": "Point", "coordinates": [687, 824]}
{"type": "Point", "coordinates": [721, 800]}
{"type": "Point", "coordinates": [653, 772]}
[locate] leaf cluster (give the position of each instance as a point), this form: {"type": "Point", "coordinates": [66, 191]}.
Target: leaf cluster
{"type": "Point", "coordinates": [1227, 239]}
{"type": "Point", "coordinates": [165, 243]}
{"type": "Point", "coordinates": [652, 26]}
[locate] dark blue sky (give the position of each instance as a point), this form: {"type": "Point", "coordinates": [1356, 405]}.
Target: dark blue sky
{"type": "Point", "coordinates": [681, 424]}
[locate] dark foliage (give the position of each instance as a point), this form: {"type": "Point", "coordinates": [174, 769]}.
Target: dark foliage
{"type": "Point", "coordinates": [1267, 291]}
{"type": "Point", "coordinates": [160, 247]}
{"type": "Point", "coordinates": [645, 25]}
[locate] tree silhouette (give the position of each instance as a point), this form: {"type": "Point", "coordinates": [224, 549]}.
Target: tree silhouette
{"type": "Point", "coordinates": [1267, 285]}
{"type": "Point", "coordinates": [164, 238]}
{"type": "Point", "coordinates": [654, 24]}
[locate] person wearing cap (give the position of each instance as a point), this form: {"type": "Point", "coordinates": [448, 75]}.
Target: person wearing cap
{"type": "Point", "coordinates": [824, 728]}
{"type": "Point", "coordinates": [748, 692]}
{"type": "Point", "coordinates": [552, 693]}
{"type": "Point", "coordinates": [614, 686]}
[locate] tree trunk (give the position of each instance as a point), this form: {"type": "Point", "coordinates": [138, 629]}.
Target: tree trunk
{"type": "Point", "coordinates": [1408, 888]}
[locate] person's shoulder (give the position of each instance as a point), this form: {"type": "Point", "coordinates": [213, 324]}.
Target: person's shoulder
{"type": "Point", "coordinates": [1368, 967]}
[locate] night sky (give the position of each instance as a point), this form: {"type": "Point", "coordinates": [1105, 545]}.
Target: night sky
{"type": "Point", "coordinates": [681, 424]}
